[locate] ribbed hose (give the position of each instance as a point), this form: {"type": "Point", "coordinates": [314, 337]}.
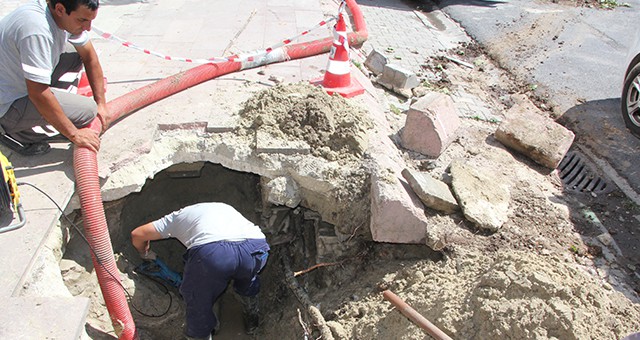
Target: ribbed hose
{"type": "Point", "coordinates": [85, 161]}
{"type": "Point", "coordinates": [85, 164]}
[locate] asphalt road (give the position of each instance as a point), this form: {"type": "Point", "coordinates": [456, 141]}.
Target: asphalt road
{"type": "Point", "coordinates": [575, 57]}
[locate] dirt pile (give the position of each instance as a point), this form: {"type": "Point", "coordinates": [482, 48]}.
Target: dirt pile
{"type": "Point", "coordinates": [335, 129]}
{"type": "Point", "coordinates": [513, 295]}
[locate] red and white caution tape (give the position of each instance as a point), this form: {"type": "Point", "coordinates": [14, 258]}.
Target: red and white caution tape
{"type": "Point", "coordinates": [235, 58]}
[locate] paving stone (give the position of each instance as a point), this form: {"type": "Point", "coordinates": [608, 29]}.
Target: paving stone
{"type": "Point", "coordinates": [528, 132]}
{"type": "Point", "coordinates": [396, 78]}
{"type": "Point", "coordinates": [375, 62]}
{"type": "Point", "coordinates": [222, 124]}
{"type": "Point", "coordinates": [431, 125]}
{"type": "Point", "coordinates": [433, 193]}
{"type": "Point", "coordinates": [483, 201]}
{"type": "Point", "coordinates": [43, 317]}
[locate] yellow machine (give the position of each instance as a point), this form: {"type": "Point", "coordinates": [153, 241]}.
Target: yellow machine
{"type": "Point", "coordinates": [9, 196]}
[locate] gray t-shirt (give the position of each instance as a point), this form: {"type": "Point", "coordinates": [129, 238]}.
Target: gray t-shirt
{"type": "Point", "coordinates": [30, 47]}
{"type": "Point", "coordinates": [204, 223]}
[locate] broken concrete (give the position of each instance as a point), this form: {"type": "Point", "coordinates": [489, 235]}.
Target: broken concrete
{"type": "Point", "coordinates": [398, 79]}
{"type": "Point", "coordinates": [483, 201]}
{"type": "Point", "coordinates": [431, 125]}
{"type": "Point", "coordinates": [433, 193]}
{"type": "Point", "coordinates": [396, 213]}
{"type": "Point", "coordinates": [282, 190]}
{"type": "Point", "coordinates": [538, 137]}
{"type": "Point", "coordinates": [375, 62]}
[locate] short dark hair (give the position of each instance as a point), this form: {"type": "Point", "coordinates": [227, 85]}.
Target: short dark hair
{"type": "Point", "coordinates": [72, 5]}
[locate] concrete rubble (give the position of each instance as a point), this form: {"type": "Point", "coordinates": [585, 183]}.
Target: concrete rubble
{"type": "Point", "coordinates": [527, 131]}
{"type": "Point", "coordinates": [483, 201]}
{"type": "Point", "coordinates": [431, 125]}
{"type": "Point", "coordinates": [376, 62]}
{"type": "Point", "coordinates": [433, 193]}
{"type": "Point", "coordinates": [393, 77]}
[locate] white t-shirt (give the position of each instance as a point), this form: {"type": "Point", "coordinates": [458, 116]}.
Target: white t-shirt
{"type": "Point", "coordinates": [204, 223]}
{"type": "Point", "coordinates": [30, 47]}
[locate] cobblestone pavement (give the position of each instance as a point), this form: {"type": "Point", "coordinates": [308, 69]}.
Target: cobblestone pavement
{"type": "Point", "coordinates": [409, 37]}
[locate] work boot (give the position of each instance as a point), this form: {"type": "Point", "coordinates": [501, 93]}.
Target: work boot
{"type": "Point", "coordinates": [250, 313]}
{"type": "Point", "coordinates": [25, 149]}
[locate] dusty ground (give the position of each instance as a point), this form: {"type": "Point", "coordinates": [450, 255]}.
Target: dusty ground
{"type": "Point", "coordinates": [604, 4]}
{"type": "Point", "coordinates": [544, 274]}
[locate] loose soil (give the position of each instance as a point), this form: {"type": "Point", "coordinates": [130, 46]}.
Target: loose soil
{"type": "Point", "coordinates": [546, 274]}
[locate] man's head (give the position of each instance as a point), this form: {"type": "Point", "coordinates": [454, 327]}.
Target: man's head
{"type": "Point", "coordinates": [72, 5]}
{"type": "Point", "coordinates": [74, 16]}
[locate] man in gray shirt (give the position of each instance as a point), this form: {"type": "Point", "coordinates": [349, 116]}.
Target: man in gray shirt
{"type": "Point", "coordinates": [32, 59]}
{"type": "Point", "coordinates": [222, 246]}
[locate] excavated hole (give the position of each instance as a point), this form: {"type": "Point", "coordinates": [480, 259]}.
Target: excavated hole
{"type": "Point", "coordinates": [337, 265]}
{"type": "Point", "coordinates": [170, 190]}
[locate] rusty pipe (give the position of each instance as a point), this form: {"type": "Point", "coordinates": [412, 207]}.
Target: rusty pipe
{"type": "Point", "coordinates": [414, 316]}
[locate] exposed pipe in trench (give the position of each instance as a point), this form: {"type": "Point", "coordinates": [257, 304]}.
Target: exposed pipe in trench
{"type": "Point", "coordinates": [86, 165]}
{"type": "Point", "coordinates": [414, 316]}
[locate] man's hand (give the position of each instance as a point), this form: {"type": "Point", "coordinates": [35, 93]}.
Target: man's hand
{"type": "Point", "coordinates": [141, 238]}
{"type": "Point", "coordinates": [103, 113]}
{"type": "Point", "coordinates": [87, 138]}
{"type": "Point", "coordinates": [148, 255]}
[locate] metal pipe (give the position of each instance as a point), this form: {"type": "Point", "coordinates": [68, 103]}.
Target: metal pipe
{"type": "Point", "coordinates": [414, 316]}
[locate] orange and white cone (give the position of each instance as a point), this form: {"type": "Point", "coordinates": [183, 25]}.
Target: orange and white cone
{"type": "Point", "coordinates": [84, 88]}
{"type": "Point", "coordinates": [337, 78]}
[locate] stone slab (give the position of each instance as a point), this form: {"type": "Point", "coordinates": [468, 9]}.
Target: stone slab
{"type": "Point", "coordinates": [60, 318]}
{"type": "Point", "coordinates": [536, 136]}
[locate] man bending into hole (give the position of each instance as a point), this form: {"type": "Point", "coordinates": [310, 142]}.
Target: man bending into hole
{"type": "Point", "coordinates": [222, 246]}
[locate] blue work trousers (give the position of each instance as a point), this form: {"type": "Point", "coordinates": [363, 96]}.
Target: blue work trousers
{"type": "Point", "coordinates": [208, 270]}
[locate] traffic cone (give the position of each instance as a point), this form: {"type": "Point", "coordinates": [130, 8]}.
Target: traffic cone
{"type": "Point", "coordinates": [337, 78]}
{"type": "Point", "coordinates": [84, 88]}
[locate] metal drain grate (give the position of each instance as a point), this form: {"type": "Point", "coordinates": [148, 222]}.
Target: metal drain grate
{"type": "Point", "coordinates": [577, 175]}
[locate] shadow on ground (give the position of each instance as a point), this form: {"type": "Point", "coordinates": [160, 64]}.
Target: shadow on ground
{"type": "Point", "coordinates": [428, 5]}
{"type": "Point", "coordinates": [477, 3]}
{"type": "Point", "coordinates": [598, 126]}
{"type": "Point", "coordinates": [600, 131]}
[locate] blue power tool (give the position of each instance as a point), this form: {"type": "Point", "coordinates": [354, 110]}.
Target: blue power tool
{"type": "Point", "coordinates": [158, 269]}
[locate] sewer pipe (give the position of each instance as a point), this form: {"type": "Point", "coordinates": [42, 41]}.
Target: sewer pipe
{"type": "Point", "coordinates": [85, 161]}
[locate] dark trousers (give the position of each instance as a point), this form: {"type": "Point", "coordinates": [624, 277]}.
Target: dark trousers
{"type": "Point", "coordinates": [22, 116]}
{"type": "Point", "coordinates": [209, 269]}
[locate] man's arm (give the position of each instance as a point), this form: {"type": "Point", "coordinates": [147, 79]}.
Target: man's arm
{"type": "Point", "coordinates": [141, 236]}
{"type": "Point", "coordinates": [48, 106]}
{"type": "Point", "coordinates": [96, 79]}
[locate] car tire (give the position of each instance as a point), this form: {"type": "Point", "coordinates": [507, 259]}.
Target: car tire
{"type": "Point", "coordinates": [631, 100]}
